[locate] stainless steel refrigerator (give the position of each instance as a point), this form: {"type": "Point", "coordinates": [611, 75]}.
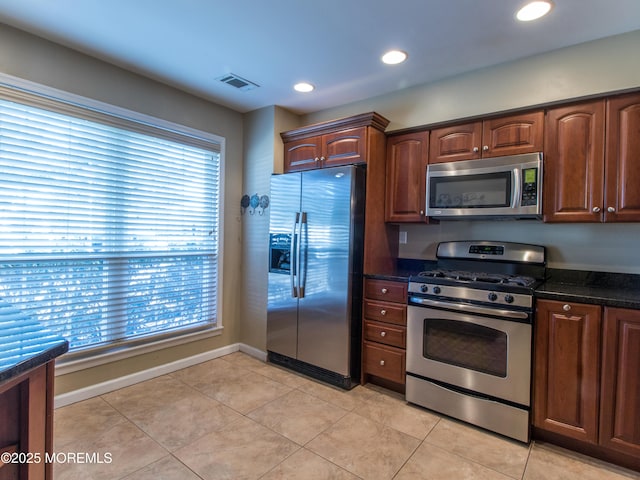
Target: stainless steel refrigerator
{"type": "Point", "coordinates": [315, 272]}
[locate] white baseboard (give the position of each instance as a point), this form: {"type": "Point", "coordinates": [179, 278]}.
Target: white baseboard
{"type": "Point", "coordinates": [121, 382]}
{"type": "Point", "coordinates": [254, 352]}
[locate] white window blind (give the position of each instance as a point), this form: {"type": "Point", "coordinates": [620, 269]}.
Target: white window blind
{"type": "Point", "coordinates": [108, 234]}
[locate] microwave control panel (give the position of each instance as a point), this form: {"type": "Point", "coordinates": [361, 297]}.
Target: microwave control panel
{"type": "Point", "coordinates": [529, 187]}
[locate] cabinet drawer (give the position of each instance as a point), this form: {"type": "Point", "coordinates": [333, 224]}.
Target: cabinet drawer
{"type": "Point", "coordinates": [385, 312]}
{"type": "Point", "coordinates": [385, 290]}
{"type": "Point", "coordinates": [387, 334]}
{"type": "Point", "coordinates": [384, 362]}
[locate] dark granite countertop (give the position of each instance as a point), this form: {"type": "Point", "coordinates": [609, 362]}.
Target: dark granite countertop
{"type": "Point", "coordinates": [405, 267]}
{"type": "Point", "coordinates": [601, 288]}
{"type": "Point", "coordinates": [25, 343]}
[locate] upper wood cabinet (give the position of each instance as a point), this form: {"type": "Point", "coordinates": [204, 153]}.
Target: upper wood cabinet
{"type": "Point", "coordinates": [494, 137]}
{"type": "Point", "coordinates": [407, 156]}
{"type": "Point", "coordinates": [622, 161]}
{"type": "Point", "coordinates": [338, 142]}
{"type": "Point", "coordinates": [573, 186]}
{"type": "Point", "coordinates": [586, 180]}
{"type": "Point", "coordinates": [340, 148]}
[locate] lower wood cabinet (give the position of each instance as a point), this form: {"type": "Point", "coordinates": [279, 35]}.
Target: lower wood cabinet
{"type": "Point", "coordinates": [586, 382]}
{"type": "Point", "coordinates": [26, 424]}
{"type": "Point", "coordinates": [567, 369]}
{"type": "Point", "coordinates": [384, 333]}
{"type": "Point", "coordinates": [384, 362]}
{"type": "Point", "coordinates": [620, 398]}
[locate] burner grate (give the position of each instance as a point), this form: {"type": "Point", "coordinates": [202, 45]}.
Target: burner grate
{"type": "Point", "coordinates": [465, 276]}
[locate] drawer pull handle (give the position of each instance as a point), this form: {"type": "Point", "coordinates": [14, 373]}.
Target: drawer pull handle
{"type": "Point", "coordinates": [382, 363]}
{"type": "Point", "coordinates": [383, 312]}
{"type": "Point", "coordinates": [384, 290]}
{"type": "Point", "coordinates": [566, 307]}
{"type": "Point", "coordinates": [383, 334]}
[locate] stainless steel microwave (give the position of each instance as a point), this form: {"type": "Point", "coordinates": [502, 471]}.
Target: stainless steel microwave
{"type": "Point", "coordinates": [508, 187]}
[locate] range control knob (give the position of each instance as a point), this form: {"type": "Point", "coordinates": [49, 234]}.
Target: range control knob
{"type": "Point", "coordinates": [508, 298]}
{"type": "Point", "coordinates": [424, 288]}
{"type": "Point", "coordinates": [436, 290]}
{"type": "Point", "coordinates": [492, 296]}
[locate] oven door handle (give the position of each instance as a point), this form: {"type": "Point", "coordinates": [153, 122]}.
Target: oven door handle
{"type": "Point", "coordinates": [465, 307]}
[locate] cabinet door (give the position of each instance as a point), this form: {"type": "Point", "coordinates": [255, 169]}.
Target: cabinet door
{"type": "Point", "coordinates": [513, 135]}
{"type": "Point", "coordinates": [406, 176]}
{"type": "Point", "coordinates": [574, 163]}
{"type": "Point", "coordinates": [622, 178]}
{"type": "Point", "coordinates": [567, 369]}
{"type": "Point", "coordinates": [344, 148]}
{"type": "Point", "coordinates": [460, 142]}
{"type": "Point", "coordinates": [619, 422]}
{"type": "Point", "coordinates": [302, 154]}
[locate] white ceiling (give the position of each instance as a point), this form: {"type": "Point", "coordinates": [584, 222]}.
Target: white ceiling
{"type": "Point", "coordinates": [334, 44]}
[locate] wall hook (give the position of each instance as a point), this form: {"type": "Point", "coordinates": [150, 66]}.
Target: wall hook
{"type": "Point", "coordinates": [244, 203]}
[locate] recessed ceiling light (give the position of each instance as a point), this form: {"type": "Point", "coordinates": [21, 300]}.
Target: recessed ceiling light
{"type": "Point", "coordinates": [533, 10]}
{"type": "Point", "coordinates": [303, 87]}
{"type": "Point", "coordinates": [393, 57]}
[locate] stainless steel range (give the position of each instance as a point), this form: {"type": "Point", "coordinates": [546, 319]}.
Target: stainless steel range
{"type": "Point", "coordinates": [469, 340]}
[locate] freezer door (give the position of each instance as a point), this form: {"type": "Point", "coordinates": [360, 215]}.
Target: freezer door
{"type": "Point", "coordinates": [324, 318]}
{"type": "Point", "coordinates": [282, 306]}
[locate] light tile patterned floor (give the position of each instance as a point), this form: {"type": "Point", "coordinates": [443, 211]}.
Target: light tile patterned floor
{"type": "Point", "coordinates": [238, 418]}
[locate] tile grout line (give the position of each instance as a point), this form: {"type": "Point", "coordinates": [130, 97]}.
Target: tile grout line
{"type": "Point", "coordinates": [526, 464]}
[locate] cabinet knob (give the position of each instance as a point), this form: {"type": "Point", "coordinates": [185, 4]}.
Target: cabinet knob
{"type": "Point", "coordinates": [485, 148]}
{"type": "Point", "coordinates": [316, 159]}
{"type": "Point", "coordinates": [476, 149]}
{"type": "Point", "coordinates": [322, 159]}
{"type": "Point", "coordinates": [383, 334]}
{"type": "Point", "coordinates": [382, 362]}
{"type": "Point", "coordinates": [384, 290]}
{"type": "Point", "coordinates": [596, 210]}
{"type": "Point", "coordinates": [383, 312]}
{"type": "Point", "coordinates": [611, 209]}
{"type": "Point", "coordinates": [566, 307]}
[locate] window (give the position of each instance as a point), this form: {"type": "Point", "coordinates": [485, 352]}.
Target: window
{"type": "Point", "coordinates": [109, 229]}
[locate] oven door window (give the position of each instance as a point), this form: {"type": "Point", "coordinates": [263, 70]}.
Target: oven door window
{"type": "Point", "coordinates": [488, 190]}
{"type": "Point", "coordinates": [466, 345]}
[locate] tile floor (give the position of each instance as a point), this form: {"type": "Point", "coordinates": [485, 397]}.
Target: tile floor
{"type": "Point", "coordinates": [236, 417]}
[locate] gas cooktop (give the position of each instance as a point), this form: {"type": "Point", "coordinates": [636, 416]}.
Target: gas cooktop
{"type": "Point", "coordinates": [469, 276]}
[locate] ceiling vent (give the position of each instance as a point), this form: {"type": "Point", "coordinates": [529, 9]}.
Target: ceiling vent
{"type": "Point", "coordinates": [237, 82]}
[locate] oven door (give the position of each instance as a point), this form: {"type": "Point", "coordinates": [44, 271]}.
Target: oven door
{"type": "Point", "coordinates": [476, 352]}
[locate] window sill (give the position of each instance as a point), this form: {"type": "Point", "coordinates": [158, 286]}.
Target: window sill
{"type": "Point", "coordinates": [64, 367]}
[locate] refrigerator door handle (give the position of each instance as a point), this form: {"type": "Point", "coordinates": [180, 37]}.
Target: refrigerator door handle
{"type": "Point", "coordinates": [302, 256]}
{"type": "Point", "coordinates": [293, 252]}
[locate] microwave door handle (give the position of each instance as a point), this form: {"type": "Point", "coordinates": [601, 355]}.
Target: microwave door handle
{"type": "Point", "coordinates": [517, 185]}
